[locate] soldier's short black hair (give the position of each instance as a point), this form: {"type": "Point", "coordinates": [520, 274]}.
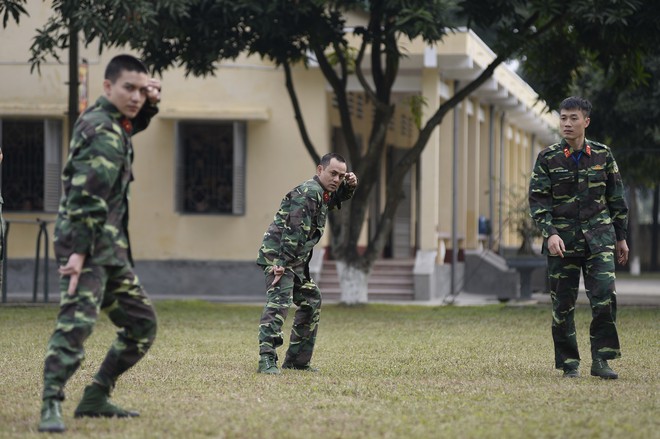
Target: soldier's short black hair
{"type": "Point", "coordinates": [325, 160]}
{"type": "Point", "coordinates": [576, 103]}
{"type": "Point", "coordinates": [122, 63]}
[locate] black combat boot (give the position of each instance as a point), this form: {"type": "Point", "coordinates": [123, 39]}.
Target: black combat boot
{"type": "Point", "coordinates": [268, 364]}
{"type": "Point", "coordinates": [600, 368]}
{"type": "Point", "coordinates": [95, 403]}
{"type": "Point", "coordinates": [51, 416]}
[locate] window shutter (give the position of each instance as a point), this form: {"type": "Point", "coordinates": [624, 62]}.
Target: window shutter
{"type": "Point", "coordinates": [52, 164]}
{"type": "Point", "coordinates": [179, 153]}
{"type": "Point", "coordinates": [240, 145]}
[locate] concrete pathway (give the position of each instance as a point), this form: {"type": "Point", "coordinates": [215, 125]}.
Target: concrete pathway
{"type": "Point", "coordinates": [630, 291]}
{"type": "Point", "coordinates": [637, 292]}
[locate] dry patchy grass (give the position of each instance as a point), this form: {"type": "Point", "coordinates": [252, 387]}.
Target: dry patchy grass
{"type": "Point", "coordinates": [386, 372]}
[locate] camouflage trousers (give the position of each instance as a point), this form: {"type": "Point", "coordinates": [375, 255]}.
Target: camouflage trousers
{"type": "Point", "coordinates": [117, 292]}
{"type": "Point", "coordinates": [291, 288]}
{"type": "Point", "coordinates": [598, 273]}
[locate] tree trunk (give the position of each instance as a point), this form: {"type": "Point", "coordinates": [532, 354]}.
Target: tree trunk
{"type": "Point", "coordinates": [353, 282]}
{"type": "Point", "coordinates": [73, 77]}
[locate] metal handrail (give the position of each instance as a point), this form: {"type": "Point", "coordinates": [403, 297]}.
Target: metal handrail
{"type": "Point", "coordinates": [43, 231]}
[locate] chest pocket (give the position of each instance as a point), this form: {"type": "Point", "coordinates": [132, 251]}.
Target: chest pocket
{"type": "Point", "coordinates": [563, 182]}
{"type": "Point", "coordinates": [597, 181]}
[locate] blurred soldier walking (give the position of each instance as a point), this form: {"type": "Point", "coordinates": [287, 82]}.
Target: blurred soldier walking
{"type": "Point", "coordinates": [92, 245]}
{"type": "Point", "coordinates": [284, 256]}
{"type": "Point", "coordinates": [576, 197]}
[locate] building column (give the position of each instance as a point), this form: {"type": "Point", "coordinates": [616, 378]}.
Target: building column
{"type": "Point", "coordinates": [429, 195]}
{"type": "Point", "coordinates": [473, 158]}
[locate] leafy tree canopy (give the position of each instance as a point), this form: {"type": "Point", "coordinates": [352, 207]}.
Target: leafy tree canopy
{"type": "Point", "coordinates": [616, 65]}
{"type": "Point", "coordinates": [615, 42]}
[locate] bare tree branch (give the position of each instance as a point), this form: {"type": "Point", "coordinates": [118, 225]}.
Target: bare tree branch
{"type": "Point", "coordinates": [298, 114]}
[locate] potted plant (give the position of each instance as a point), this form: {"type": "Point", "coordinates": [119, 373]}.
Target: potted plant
{"type": "Point", "coordinates": [526, 260]}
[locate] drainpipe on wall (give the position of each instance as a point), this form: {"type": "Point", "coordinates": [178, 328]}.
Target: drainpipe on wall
{"type": "Point", "coordinates": [491, 170]}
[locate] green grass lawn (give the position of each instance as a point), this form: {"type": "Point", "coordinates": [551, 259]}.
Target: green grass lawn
{"type": "Point", "coordinates": [386, 372]}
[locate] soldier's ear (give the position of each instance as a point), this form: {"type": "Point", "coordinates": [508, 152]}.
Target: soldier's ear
{"type": "Point", "coordinates": [587, 121]}
{"type": "Point", "coordinates": [107, 85]}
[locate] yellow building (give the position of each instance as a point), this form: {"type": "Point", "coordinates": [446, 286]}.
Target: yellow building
{"type": "Point", "coordinates": [213, 165]}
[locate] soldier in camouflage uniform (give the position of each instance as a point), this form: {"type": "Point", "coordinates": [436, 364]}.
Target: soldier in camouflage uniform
{"type": "Point", "coordinates": [284, 256]}
{"type": "Point", "coordinates": [576, 197]}
{"type": "Point", "coordinates": [92, 245]}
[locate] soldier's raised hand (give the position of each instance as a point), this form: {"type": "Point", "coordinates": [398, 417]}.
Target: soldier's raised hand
{"type": "Point", "coordinates": [351, 179]}
{"type": "Point", "coordinates": [153, 90]}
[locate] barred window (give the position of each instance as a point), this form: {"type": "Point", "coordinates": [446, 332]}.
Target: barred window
{"type": "Point", "coordinates": [32, 164]}
{"type": "Point", "coordinates": [211, 167]}
{"type": "Point", "coordinates": [359, 107]}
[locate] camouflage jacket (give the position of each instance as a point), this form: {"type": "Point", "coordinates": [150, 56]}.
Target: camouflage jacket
{"type": "Point", "coordinates": [93, 213]}
{"type": "Point", "coordinates": [582, 202]}
{"type": "Point", "coordinates": [299, 224]}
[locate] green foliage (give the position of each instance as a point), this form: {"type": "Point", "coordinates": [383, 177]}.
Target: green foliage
{"type": "Point", "coordinates": [417, 104]}
{"type": "Point", "coordinates": [518, 217]}
{"type": "Point", "coordinates": [627, 119]}
{"type": "Point", "coordinates": [109, 23]}
{"type": "Point", "coordinates": [614, 36]}
{"type": "Point", "coordinates": [13, 8]}
{"type": "Point", "coordinates": [349, 54]}
{"type": "Point", "coordinates": [386, 372]}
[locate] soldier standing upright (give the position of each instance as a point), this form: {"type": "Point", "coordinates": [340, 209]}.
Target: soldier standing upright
{"type": "Point", "coordinates": [284, 256]}
{"type": "Point", "coordinates": [576, 197]}
{"type": "Point", "coordinates": [92, 245]}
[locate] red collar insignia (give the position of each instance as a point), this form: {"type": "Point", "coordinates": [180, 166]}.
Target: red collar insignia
{"type": "Point", "coordinates": [587, 150]}
{"type": "Point", "coordinates": [326, 197]}
{"type": "Point", "coordinates": [126, 125]}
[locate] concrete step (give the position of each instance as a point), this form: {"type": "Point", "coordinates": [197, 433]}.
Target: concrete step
{"type": "Point", "coordinates": [391, 279]}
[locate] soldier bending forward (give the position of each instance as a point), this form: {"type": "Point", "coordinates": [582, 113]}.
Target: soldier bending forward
{"type": "Point", "coordinates": [284, 256]}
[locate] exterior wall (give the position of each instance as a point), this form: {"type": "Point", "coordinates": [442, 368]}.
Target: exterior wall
{"type": "Point", "coordinates": [247, 90]}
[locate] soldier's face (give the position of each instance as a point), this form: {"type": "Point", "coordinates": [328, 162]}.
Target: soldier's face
{"type": "Point", "coordinates": [572, 123]}
{"type": "Point", "coordinates": [332, 175]}
{"type": "Point", "coordinates": [128, 92]}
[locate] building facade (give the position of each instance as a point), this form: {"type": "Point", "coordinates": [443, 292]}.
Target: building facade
{"type": "Point", "coordinates": [213, 165]}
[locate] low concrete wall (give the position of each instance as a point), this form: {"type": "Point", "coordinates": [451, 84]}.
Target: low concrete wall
{"type": "Point", "coordinates": [222, 280]}
{"type": "Point", "coordinates": [488, 274]}
{"type": "Point", "coordinates": [432, 281]}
